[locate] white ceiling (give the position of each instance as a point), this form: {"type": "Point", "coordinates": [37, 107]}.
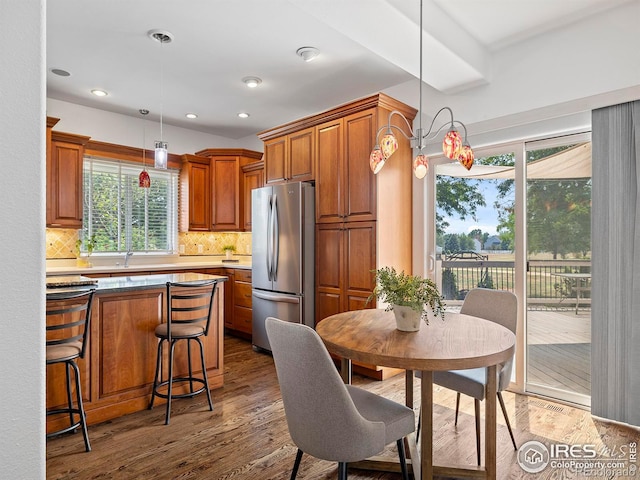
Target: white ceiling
{"type": "Point", "coordinates": [366, 46]}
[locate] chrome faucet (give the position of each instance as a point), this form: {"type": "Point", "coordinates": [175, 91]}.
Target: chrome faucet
{"type": "Point", "coordinates": [127, 256]}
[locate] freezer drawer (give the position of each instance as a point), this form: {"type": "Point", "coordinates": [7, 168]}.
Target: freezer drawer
{"type": "Point", "coordinates": [267, 304]}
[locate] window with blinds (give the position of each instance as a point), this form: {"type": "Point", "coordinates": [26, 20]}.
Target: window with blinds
{"type": "Point", "coordinates": [123, 217]}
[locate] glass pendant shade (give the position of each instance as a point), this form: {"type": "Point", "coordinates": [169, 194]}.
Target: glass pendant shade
{"type": "Point", "coordinates": [376, 160]}
{"type": "Point", "coordinates": [466, 156]}
{"type": "Point", "coordinates": [143, 180]}
{"type": "Point", "coordinates": [388, 145]}
{"type": "Point", "coordinates": [420, 166]}
{"type": "Point", "coordinates": [452, 144]}
{"type": "Point", "coordinates": [161, 155]}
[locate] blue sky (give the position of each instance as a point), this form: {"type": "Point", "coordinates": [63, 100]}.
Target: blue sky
{"type": "Point", "coordinates": [487, 216]}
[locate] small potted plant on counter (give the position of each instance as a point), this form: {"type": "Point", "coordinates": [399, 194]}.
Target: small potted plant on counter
{"type": "Point", "coordinates": [89, 245]}
{"type": "Point", "coordinates": [229, 250]}
{"type": "Point", "coordinates": [408, 296]}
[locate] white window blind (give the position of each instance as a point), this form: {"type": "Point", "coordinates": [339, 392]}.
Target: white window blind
{"type": "Point", "coordinates": [124, 217]}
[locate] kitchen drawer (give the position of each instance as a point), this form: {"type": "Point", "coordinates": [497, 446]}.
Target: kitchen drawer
{"type": "Point", "coordinates": [242, 319]}
{"type": "Point", "coordinates": [243, 275]}
{"type": "Point", "coordinates": [242, 294]}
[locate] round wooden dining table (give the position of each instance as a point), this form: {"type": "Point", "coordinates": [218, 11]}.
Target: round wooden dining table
{"type": "Point", "coordinates": [459, 342]}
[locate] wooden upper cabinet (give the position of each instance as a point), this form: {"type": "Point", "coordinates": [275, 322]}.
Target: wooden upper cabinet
{"type": "Point", "coordinates": [359, 180]}
{"type": "Point", "coordinates": [225, 207]}
{"type": "Point", "coordinates": [290, 158]}
{"type": "Point", "coordinates": [195, 194]}
{"type": "Point", "coordinates": [226, 198]}
{"type": "Point", "coordinates": [345, 185]}
{"type": "Point", "coordinates": [330, 196]}
{"type": "Point", "coordinates": [300, 156]}
{"type": "Point", "coordinates": [64, 179]}
{"type": "Point", "coordinates": [252, 178]}
{"type": "Point", "coordinates": [275, 152]}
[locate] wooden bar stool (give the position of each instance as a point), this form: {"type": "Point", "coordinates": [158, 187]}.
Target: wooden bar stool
{"type": "Point", "coordinates": [68, 322]}
{"type": "Point", "coordinates": [189, 308]}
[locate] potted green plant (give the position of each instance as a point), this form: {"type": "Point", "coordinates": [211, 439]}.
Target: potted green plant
{"type": "Point", "coordinates": [229, 250]}
{"type": "Point", "coordinates": [89, 245]}
{"type": "Point", "coordinates": [408, 296]}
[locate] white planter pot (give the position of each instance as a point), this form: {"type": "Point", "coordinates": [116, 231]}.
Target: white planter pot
{"type": "Point", "coordinates": [229, 254]}
{"type": "Point", "coordinates": [407, 319]}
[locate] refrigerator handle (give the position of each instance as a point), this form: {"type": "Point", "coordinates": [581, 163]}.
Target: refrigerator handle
{"type": "Point", "coordinates": [268, 256]}
{"type": "Point", "coordinates": [276, 239]}
{"type": "Point", "coordinates": [275, 297]}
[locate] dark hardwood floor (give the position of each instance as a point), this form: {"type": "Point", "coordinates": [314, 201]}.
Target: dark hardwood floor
{"type": "Point", "coordinates": [246, 435]}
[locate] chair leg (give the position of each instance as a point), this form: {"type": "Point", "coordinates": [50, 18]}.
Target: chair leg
{"type": "Point", "coordinates": [189, 362]}
{"type": "Point", "coordinates": [67, 368]}
{"type": "Point", "coordinates": [477, 408]}
{"type": "Point", "coordinates": [204, 374]}
{"type": "Point", "coordinates": [170, 382]}
{"type": "Point", "coordinates": [419, 423]}
{"type": "Point", "coordinates": [83, 417]}
{"type": "Point", "coordinates": [457, 408]}
{"type": "Point", "coordinates": [342, 471]}
{"type": "Point", "coordinates": [156, 380]}
{"type": "Point", "coordinates": [403, 459]}
{"type": "Point", "coordinates": [506, 418]}
{"type": "Point", "coordinates": [296, 465]}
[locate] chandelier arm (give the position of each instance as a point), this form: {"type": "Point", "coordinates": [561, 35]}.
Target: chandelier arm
{"type": "Point", "coordinates": [396, 112]}
{"type": "Point", "coordinates": [431, 135]}
{"type": "Point", "coordinates": [464, 127]}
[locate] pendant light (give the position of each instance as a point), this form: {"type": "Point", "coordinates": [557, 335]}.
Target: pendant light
{"type": "Point", "coordinates": [144, 181]}
{"type": "Point", "coordinates": [453, 146]}
{"type": "Point", "coordinates": [161, 154]}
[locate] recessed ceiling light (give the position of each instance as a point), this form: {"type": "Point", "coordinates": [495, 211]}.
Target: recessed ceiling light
{"type": "Point", "coordinates": [308, 53]}
{"type": "Point", "coordinates": [243, 115]}
{"type": "Point", "coordinates": [99, 93]}
{"type": "Point", "coordinates": [60, 72]}
{"type": "Point", "coordinates": [191, 115]}
{"type": "Point", "coordinates": [161, 36]}
{"type": "Point", "coordinates": [252, 82]}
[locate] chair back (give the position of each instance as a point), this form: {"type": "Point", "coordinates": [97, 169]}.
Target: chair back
{"type": "Point", "coordinates": [499, 306]}
{"type": "Point", "coordinates": [190, 303]}
{"type": "Point", "coordinates": [68, 322]}
{"type": "Point", "coordinates": [322, 418]}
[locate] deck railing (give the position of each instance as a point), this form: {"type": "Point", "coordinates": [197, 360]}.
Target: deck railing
{"type": "Point", "coordinates": [458, 276]}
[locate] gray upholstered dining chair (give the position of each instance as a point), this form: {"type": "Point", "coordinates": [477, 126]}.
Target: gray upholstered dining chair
{"type": "Point", "coordinates": [326, 418]}
{"type": "Point", "coordinates": [499, 306]}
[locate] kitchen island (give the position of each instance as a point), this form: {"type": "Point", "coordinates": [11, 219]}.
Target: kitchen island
{"type": "Point", "coordinates": [117, 371]}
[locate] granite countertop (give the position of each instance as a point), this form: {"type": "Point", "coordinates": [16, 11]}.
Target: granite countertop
{"type": "Point", "coordinates": [139, 282]}
{"type": "Point", "coordinates": [68, 268]}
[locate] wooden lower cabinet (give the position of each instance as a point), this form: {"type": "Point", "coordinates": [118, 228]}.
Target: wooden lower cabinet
{"type": "Point", "coordinates": [237, 301]}
{"type": "Point", "coordinates": [117, 371]}
{"type": "Point", "coordinates": [345, 256]}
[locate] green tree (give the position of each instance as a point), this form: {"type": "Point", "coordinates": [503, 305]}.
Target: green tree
{"type": "Point", "coordinates": [558, 211]}
{"type": "Point", "coordinates": [459, 196]}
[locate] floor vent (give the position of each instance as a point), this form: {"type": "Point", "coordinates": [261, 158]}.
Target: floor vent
{"type": "Point", "coordinates": [548, 406]}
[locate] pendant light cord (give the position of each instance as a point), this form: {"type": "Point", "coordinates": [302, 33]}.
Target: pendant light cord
{"type": "Point", "coordinates": [162, 86]}
{"type": "Point", "coordinates": [420, 111]}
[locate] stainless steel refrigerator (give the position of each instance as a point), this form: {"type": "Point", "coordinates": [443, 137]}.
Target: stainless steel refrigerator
{"type": "Point", "coordinates": [283, 253]}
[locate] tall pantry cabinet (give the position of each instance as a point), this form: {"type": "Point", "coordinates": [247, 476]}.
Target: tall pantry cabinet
{"type": "Point", "coordinates": [363, 221]}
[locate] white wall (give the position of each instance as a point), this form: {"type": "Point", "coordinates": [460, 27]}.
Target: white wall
{"type": "Point", "coordinates": [22, 200]}
{"type": "Point", "coordinates": [127, 130]}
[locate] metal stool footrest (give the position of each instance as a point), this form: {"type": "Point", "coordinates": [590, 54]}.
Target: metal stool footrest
{"type": "Point", "coordinates": [179, 380]}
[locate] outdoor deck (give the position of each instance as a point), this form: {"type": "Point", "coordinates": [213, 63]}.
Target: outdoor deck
{"type": "Point", "coordinates": [559, 349]}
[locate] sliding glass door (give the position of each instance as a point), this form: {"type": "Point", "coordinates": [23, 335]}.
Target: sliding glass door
{"type": "Point", "coordinates": [558, 339]}
{"type": "Point", "coordinates": [519, 220]}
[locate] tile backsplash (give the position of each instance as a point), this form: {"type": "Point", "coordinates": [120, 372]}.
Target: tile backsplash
{"type": "Point", "coordinates": [61, 243]}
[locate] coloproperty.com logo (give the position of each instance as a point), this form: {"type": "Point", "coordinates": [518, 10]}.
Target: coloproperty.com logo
{"type": "Point", "coordinates": [586, 459]}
